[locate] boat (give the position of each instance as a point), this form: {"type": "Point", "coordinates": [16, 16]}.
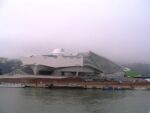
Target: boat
{"type": "Point", "coordinates": [107, 88]}
{"type": "Point", "coordinates": [11, 85]}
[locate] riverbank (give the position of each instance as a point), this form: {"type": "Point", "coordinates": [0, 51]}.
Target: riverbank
{"type": "Point", "coordinates": [73, 82]}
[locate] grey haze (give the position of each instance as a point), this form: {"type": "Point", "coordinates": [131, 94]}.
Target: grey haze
{"type": "Point", "coordinates": [116, 29]}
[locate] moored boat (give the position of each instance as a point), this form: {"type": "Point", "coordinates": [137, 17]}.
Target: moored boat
{"type": "Point", "coordinates": [11, 85]}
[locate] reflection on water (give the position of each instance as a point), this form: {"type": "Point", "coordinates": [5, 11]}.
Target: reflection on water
{"type": "Point", "coordinates": [72, 101]}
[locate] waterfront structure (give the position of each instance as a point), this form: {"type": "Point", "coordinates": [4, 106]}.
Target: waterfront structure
{"type": "Point", "coordinates": [82, 64]}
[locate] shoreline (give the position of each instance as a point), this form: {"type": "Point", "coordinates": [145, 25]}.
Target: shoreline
{"type": "Point", "coordinates": [70, 83]}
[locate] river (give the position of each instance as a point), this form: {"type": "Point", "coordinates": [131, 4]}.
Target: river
{"type": "Point", "coordinates": [30, 100]}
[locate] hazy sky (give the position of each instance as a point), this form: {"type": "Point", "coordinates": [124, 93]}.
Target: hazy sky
{"type": "Point", "coordinates": [117, 29]}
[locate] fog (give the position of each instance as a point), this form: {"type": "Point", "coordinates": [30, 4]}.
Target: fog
{"type": "Point", "coordinates": [116, 29]}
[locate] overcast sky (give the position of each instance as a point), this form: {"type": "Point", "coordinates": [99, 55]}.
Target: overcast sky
{"type": "Point", "coordinates": [117, 29]}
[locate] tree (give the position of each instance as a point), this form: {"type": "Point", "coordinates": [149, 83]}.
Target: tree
{"type": "Point", "coordinates": [0, 72]}
{"type": "Point", "coordinates": [9, 66]}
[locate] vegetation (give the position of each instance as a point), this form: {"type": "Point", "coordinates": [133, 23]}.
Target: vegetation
{"type": "Point", "coordinates": [9, 66]}
{"type": "Point", "coordinates": [144, 69]}
{"type": "Point", "coordinates": [132, 73]}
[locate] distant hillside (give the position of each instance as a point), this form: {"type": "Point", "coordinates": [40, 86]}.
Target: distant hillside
{"type": "Point", "coordinates": [143, 69]}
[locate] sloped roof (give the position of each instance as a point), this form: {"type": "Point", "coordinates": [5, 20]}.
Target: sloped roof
{"type": "Point", "coordinates": [99, 62]}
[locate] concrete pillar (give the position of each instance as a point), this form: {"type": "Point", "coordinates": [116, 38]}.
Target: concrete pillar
{"type": "Point", "coordinates": [35, 69]}
{"type": "Point", "coordinates": [77, 74]}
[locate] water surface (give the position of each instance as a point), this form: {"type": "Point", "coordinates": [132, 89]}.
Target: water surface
{"type": "Point", "coordinates": [19, 100]}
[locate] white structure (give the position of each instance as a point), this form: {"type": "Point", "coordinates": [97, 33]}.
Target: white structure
{"type": "Point", "coordinates": [58, 63]}
{"type": "Point", "coordinates": [54, 60]}
{"type": "Point", "coordinates": [59, 51]}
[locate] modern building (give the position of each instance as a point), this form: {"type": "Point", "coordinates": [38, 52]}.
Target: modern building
{"type": "Point", "coordinates": [82, 64]}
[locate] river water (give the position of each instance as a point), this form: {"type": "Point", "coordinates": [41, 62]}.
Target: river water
{"type": "Point", "coordinates": [28, 100]}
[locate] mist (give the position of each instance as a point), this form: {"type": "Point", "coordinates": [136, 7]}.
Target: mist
{"type": "Point", "coordinates": [116, 29]}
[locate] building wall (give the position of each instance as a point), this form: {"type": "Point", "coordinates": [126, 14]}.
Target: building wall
{"type": "Point", "coordinates": [53, 61]}
{"type": "Point", "coordinates": [117, 75]}
{"type": "Point", "coordinates": [77, 69]}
